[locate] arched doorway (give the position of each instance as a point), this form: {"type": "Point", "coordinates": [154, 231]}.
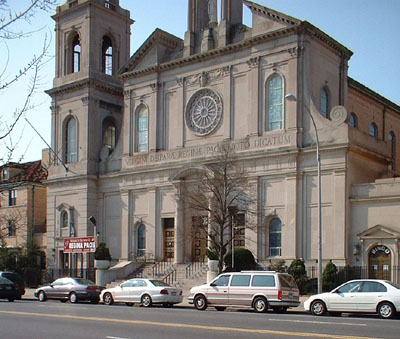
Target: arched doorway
{"type": "Point", "coordinates": [379, 263]}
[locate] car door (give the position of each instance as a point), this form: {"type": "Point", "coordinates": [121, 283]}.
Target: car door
{"type": "Point", "coordinates": [140, 287]}
{"type": "Point", "coordinates": [124, 292]}
{"type": "Point", "coordinates": [344, 299]}
{"type": "Point", "coordinates": [217, 292]}
{"type": "Point", "coordinates": [371, 293]}
{"type": "Point", "coordinates": [55, 289]}
{"type": "Point", "coordinates": [239, 290]}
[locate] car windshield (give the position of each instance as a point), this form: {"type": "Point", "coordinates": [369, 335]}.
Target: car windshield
{"type": "Point", "coordinates": [159, 283]}
{"type": "Point", "coordinates": [81, 281]}
{"type": "Point", "coordinates": [393, 284]}
{"type": "Point", "coordinates": [5, 281]}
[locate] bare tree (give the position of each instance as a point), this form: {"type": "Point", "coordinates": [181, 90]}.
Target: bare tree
{"type": "Point", "coordinates": [9, 21]}
{"type": "Point", "coordinates": [220, 194]}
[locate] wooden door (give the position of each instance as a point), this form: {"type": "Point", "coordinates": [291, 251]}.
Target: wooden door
{"type": "Point", "coordinates": [169, 239]}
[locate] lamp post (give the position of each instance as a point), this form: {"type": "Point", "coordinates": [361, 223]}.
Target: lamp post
{"type": "Point", "coordinates": [292, 97]}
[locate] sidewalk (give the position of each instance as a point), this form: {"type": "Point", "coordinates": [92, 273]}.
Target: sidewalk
{"type": "Point", "coordinates": [29, 296]}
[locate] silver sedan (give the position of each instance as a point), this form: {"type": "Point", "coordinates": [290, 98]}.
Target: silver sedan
{"type": "Point", "coordinates": [143, 291]}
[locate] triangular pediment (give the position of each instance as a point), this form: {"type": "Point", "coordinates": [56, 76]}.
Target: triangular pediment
{"type": "Point", "coordinates": [379, 232]}
{"type": "Point", "coordinates": [266, 19]}
{"type": "Point", "coordinates": [158, 48]}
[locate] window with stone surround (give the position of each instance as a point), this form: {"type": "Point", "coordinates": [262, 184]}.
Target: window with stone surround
{"type": "Point", "coordinates": [353, 122]}
{"type": "Point", "coordinates": [325, 102]}
{"type": "Point", "coordinates": [142, 129]}
{"type": "Point", "coordinates": [107, 56]}
{"type": "Point", "coordinates": [71, 141]}
{"type": "Point", "coordinates": [373, 130]}
{"type": "Point", "coordinates": [275, 237]}
{"type": "Point", "coordinates": [76, 54]}
{"type": "Point", "coordinates": [274, 116]}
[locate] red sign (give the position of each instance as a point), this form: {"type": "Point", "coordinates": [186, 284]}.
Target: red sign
{"type": "Point", "coordinates": [79, 245]}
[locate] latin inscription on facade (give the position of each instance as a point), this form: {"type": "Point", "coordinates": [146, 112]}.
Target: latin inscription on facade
{"type": "Point", "coordinates": [208, 150]}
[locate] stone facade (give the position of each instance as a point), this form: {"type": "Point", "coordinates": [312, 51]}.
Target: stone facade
{"type": "Point", "coordinates": [174, 101]}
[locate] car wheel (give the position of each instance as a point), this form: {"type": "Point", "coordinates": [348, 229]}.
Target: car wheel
{"type": "Point", "coordinates": [220, 309]}
{"type": "Point", "coordinates": [129, 304]}
{"type": "Point", "coordinates": [73, 298]}
{"type": "Point", "coordinates": [108, 299]}
{"type": "Point", "coordinates": [200, 302]}
{"type": "Point", "coordinates": [386, 310]}
{"type": "Point", "coordinates": [146, 301]}
{"type": "Point", "coordinates": [42, 296]}
{"type": "Point", "coordinates": [260, 305]}
{"type": "Point", "coordinates": [10, 300]}
{"type": "Point", "coordinates": [63, 300]}
{"type": "Point", "coordinates": [318, 308]}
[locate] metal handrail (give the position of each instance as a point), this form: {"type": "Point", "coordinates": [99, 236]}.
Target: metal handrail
{"type": "Point", "coordinates": [170, 278]}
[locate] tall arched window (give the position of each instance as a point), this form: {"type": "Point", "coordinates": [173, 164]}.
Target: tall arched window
{"type": "Point", "coordinates": [353, 122]}
{"type": "Point", "coordinates": [71, 141]}
{"type": "Point", "coordinates": [275, 103]}
{"type": "Point", "coordinates": [392, 140]}
{"type": "Point", "coordinates": [142, 130]}
{"type": "Point", "coordinates": [109, 134]}
{"type": "Point", "coordinates": [141, 240]}
{"type": "Point", "coordinates": [76, 56]}
{"type": "Point", "coordinates": [325, 102]}
{"type": "Point", "coordinates": [373, 130]}
{"type": "Point", "coordinates": [64, 219]}
{"type": "Point", "coordinates": [107, 57]}
{"type": "Point", "coordinates": [275, 238]}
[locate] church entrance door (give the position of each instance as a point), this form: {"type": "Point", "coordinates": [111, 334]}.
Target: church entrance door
{"type": "Point", "coordinates": [169, 238]}
{"type": "Point", "coordinates": [199, 239]}
{"type": "Point", "coordinates": [379, 266]}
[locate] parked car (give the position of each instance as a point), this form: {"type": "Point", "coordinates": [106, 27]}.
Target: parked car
{"type": "Point", "coordinates": [144, 291]}
{"type": "Point", "coordinates": [364, 296]}
{"type": "Point", "coordinates": [9, 289]}
{"type": "Point", "coordinates": [72, 289]}
{"type": "Point", "coordinates": [17, 279]}
{"type": "Point", "coordinates": [259, 290]}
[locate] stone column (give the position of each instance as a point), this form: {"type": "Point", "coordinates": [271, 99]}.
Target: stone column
{"type": "Point", "coordinates": [125, 222]}
{"type": "Point", "coordinates": [255, 120]}
{"type": "Point", "coordinates": [179, 229]}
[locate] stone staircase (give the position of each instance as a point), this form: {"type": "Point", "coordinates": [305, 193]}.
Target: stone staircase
{"type": "Point", "coordinates": [184, 276]}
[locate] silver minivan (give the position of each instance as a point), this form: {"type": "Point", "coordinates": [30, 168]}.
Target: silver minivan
{"type": "Point", "coordinates": [260, 290]}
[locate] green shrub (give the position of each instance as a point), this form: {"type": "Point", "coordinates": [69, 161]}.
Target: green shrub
{"type": "Point", "coordinates": [278, 266]}
{"type": "Point", "coordinates": [244, 259]}
{"type": "Point", "coordinates": [102, 252]}
{"type": "Point", "coordinates": [329, 276]}
{"type": "Point", "coordinates": [298, 270]}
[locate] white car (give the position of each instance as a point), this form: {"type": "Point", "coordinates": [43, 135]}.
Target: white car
{"type": "Point", "coordinates": [364, 296]}
{"type": "Point", "coordinates": [143, 291]}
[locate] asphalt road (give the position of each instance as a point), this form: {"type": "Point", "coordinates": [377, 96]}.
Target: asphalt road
{"type": "Point", "coordinates": [52, 319]}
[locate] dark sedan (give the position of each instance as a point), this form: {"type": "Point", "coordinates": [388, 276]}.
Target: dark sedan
{"type": "Point", "coordinates": [9, 289]}
{"type": "Point", "coordinates": [17, 280]}
{"type": "Point", "coordinates": [72, 289]}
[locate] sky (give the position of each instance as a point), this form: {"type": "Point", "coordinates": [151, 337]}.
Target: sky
{"type": "Point", "coordinates": [369, 28]}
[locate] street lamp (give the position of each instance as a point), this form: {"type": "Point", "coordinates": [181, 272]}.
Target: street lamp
{"type": "Point", "coordinates": [292, 97]}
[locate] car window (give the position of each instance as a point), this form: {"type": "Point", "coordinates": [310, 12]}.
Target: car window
{"type": "Point", "coordinates": [58, 282]}
{"type": "Point", "coordinates": [221, 281]}
{"type": "Point", "coordinates": [12, 276]}
{"type": "Point", "coordinates": [240, 280]}
{"type": "Point", "coordinates": [5, 281]}
{"type": "Point", "coordinates": [129, 283]}
{"type": "Point", "coordinates": [142, 283]}
{"type": "Point", "coordinates": [287, 281]}
{"type": "Point", "coordinates": [372, 286]}
{"type": "Point", "coordinates": [87, 282]}
{"type": "Point", "coordinates": [351, 287]}
{"type": "Point", "coordinates": [157, 283]}
{"type": "Point", "coordinates": [393, 284]}
{"type": "Point", "coordinates": [263, 281]}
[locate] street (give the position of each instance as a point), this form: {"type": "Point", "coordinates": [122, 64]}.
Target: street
{"type": "Point", "coordinates": [52, 319]}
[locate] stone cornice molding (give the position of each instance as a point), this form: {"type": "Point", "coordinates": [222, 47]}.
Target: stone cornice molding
{"type": "Point", "coordinates": [105, 87]}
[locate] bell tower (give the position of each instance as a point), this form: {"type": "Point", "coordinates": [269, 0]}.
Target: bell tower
{"type": "Point", "coordinates": [92, 43]}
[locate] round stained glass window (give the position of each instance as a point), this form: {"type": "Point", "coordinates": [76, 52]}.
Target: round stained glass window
{"type": "Point", "coordinates": [204, 112]}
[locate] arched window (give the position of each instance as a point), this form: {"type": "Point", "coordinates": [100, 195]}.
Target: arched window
{"type": "Point", "coordinates": [392, 140]}
{"type": "Point", "coordinates": [76, 56]}
{"type": "Point", "coordinates": [142, 130]}
{"type": "Point", "coordinates": [107, 57]}
{"type": "Point", "coordinates": [109, 134]}
{"type": "Point", "coordinates": [275, 239]}
{"type": "Point", "coordinates": [373, 130]}
{"type": "Point", "coordinates": [275, 103]}
{"type": "Point", "coordinates": [71, 141]}
{"type": "Point", "coordinates": [353, 122]}
{"type": "Point", "coordinates": [64, 219]}
{"type": "Point", "coordinates": [325, 102]}
{"type": "Point", "coordinates": [141, 240]}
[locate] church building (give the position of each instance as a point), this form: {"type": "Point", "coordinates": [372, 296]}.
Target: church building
{"type": "Point", "coordinates": [130, 129]}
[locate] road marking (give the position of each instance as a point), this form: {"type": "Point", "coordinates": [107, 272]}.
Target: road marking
{"type": "Point", "coordinates": [318, 322]}
{"type": "Point", "coordinates": [108, 337]}
{"type": "Point", "coordinates": [198, 327]}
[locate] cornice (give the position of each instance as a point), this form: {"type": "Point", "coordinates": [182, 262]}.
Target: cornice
{"type": "Point", "coordinates": [105, 87]}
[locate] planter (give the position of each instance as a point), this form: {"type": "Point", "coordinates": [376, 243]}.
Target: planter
{"type": "Point", "coordinates": [102, 264]}
{"type": "Point", "coordinates": [213, 265]}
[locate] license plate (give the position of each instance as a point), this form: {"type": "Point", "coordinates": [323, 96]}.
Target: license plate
{"type": "Point", "coordinates": [173, 293]}
{"type": "Point", "coordinates": [8, 288]}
